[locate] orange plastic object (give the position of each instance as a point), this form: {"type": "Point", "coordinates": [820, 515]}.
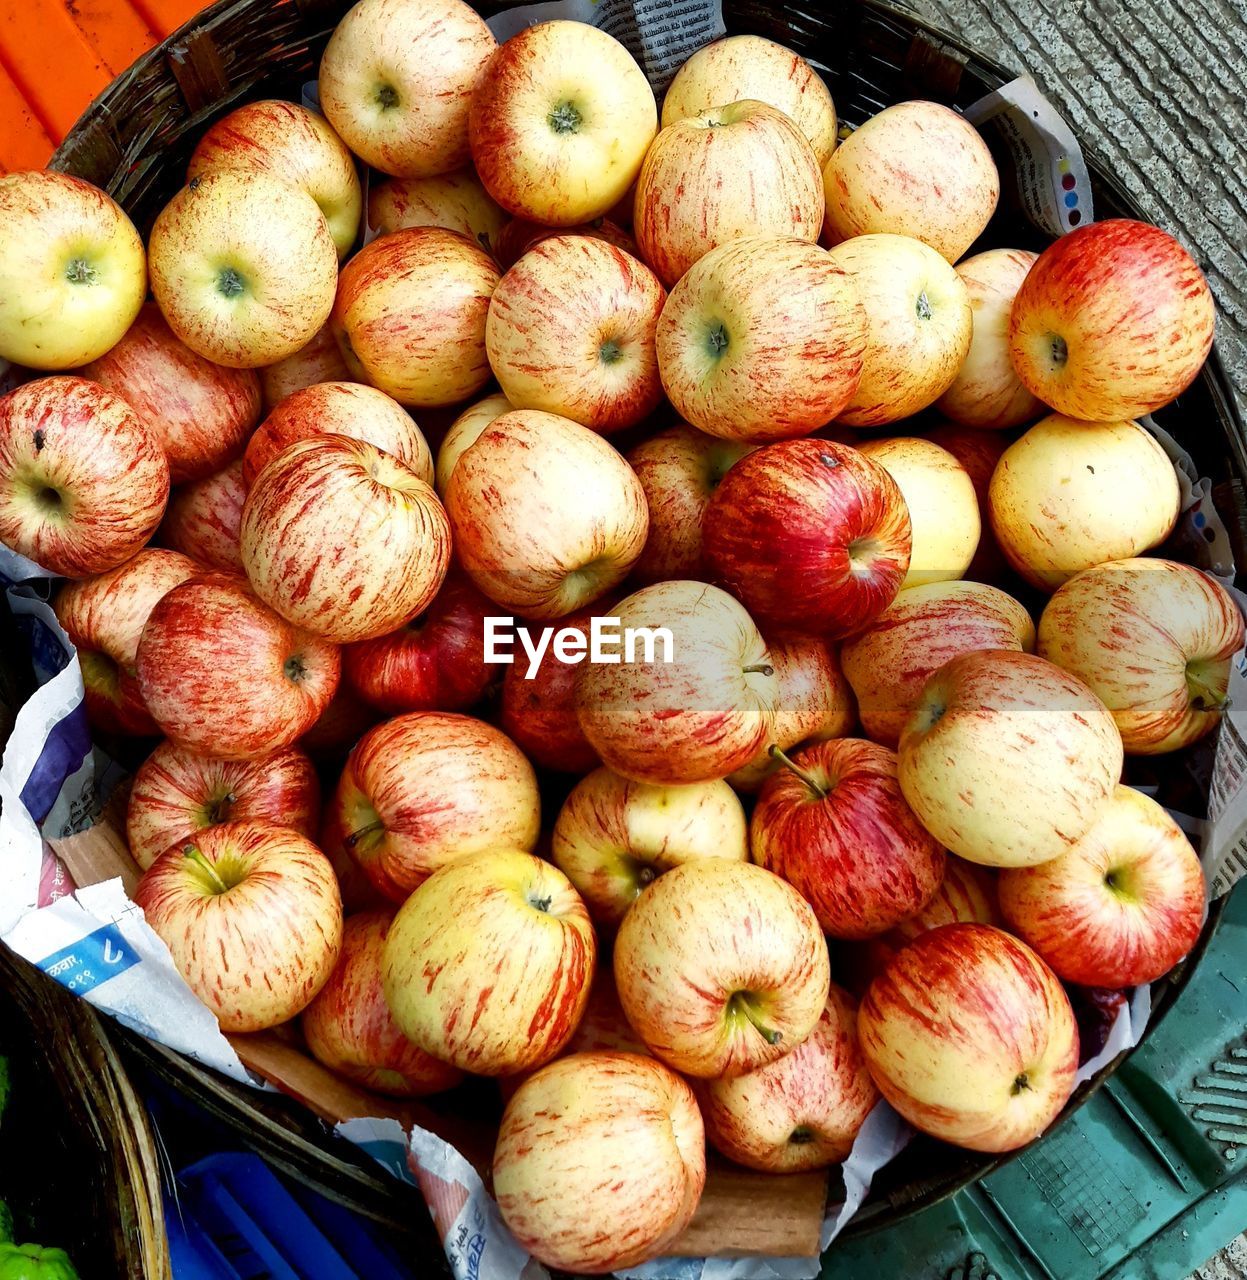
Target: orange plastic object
{"type": "Point", "coordinates": [56, 55]}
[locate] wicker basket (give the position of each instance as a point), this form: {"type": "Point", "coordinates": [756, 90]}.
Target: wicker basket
{"type": "Point", "coordinates": [135, 141]}
{"type": "Point", "coordinates": [90, 1179]}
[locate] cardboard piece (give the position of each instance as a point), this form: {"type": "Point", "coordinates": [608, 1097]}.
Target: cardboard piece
{"type": "Point", "coordinates": [741, 1214]}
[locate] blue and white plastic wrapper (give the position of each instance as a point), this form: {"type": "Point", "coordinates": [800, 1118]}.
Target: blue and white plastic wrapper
{"type": "Point", "coordinates": [95, 941]}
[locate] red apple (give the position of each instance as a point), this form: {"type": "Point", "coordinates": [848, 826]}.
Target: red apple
{"type": "Point", "coordinates": [1119, 907]}
{"type": "Point", "coordinates": [488, 963]}
{"type": "Point", "coordinates": [834, 824]}
{"type": "Point", "coordinates": [721, 968]}
{"type": "Point", "coordinates": [224, 676]}
{"type": "Point", "coordinates": [200, 412]}
{"type": "Point", "coordinates": [83, 483]}
{"type": "Point", "coordinates": [215, 901]}
{"type": "Point", "coordinates": [349, 1028]}
{"type": "Point", "coordinates": [435, 662]}
{"type": "Point", "coordinates": [343, 409]}
{"type": "Point", "coordinates": [1113, 321]}
{"type": "Point", "coordinates": [540, 714]}
{"type": "Point", "coordinates": [970, 1036]}
{"type": "Point", "coordinates": [923, 628]}
{"type": "Point", "coordinates": [204, 519]}
{"type": "Point", "coordinates": [810, 535]}
{"type": "Point", "coordinates": [802, 1112]}
{"type": "Point", "coordinates": [176, 794]}
{"type": "Point", "coordinates": [600, 1162]}
{"type": "Point", "coordinates": [104, 617]}
{"type": "Point", "coordinates": [423, 789]}
{"type": "Point", "coordinates": [695, 713]}
{"type": "Point", "coordinates": [519, 235]}
{"type": "Point", "coordinates": [344, 539]}
{"type": "Point", "coordinates": [571, 331]}
{"type": "Point", "coordinates": [340, 726]}
{"type": "Point", "coordinates": [410, 315]}
{"type": "Point", "coordinates": [679, 469]}
{"type": "Point", "coordinates": [317, 361]}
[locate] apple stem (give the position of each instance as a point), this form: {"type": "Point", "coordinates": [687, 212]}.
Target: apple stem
{"type": "Point", "coordinates": [356, 836]}
{"type": "Point", "coordinates": [196, 856]}
{"type": "Point", "coordinates": [1204, 696]}
{"type": "Point", "coordinates": [759, 668]}
{"type": "Point", "coordinates": [808, 778]}
{"type": "Point", "coordinates": [772, 1035]}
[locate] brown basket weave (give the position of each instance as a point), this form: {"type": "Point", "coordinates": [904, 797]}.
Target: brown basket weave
{"type": "Point", "coordinates": [135, 140]}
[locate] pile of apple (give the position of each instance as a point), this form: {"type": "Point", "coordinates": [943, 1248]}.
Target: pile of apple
{"type": "Point", "coordinates": [318, 581]}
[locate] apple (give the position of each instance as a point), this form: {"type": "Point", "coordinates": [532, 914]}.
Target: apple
{"type": "Point", "coordinates": [614, 836]}
{"type": "Point", "coordinates": [1119, 907]}
{"type": "Point", "coordinates": [547, 517]}
{"type": "Point", "coordinates": [571, 331]}
{"type": "Point", "coordinates": [1153, 640]}
{"type": "Point", "coordinates": [343, 539]}
{"type": "Point", "coordinates": [1006, 759]}
{"type": "Point", "coordinates": [204, 518]}
{"type": "Point", "coordinates": [810, 535]}
{"type": "Point", "coordinates": [1113, 321]}
{"type": "Point", "coordinates": [501, 938]}
{"type": "Point", "coordinates": [1070, 495]}
{"type": "Point", "coordinates": [740, 67]}
{"type": "Point", "coordinates": [72, 272]}
{"type": "Point", "coordinates": [342, 409]}
{"type": "Point", "coordinates": [802, 1112]}
{"type": "Point", "coordinates": [600, 1162]}
{"type": "Point", "coordinates": [978, 451]}
{"type": "Point", "coordinates": [721, 968]}
{"type": "Point", "coordinates": [561, 123]}
{"type": "Point", "coordinates": [698, 716]}
{"type": "Point", "coordinates": [202, 413]}
{"type": "Point", "coordinates": [919, 324]}
{"type": "Point", "coordinates": [243, 267]}
{"type": "Point", "coordinates": [83, 482]}
{"type": "Point", "coordinates": [464, 432]}
{"type": "Point", "coordinates": [338, 728]}
{"type": "Point", "coordinates": [287, 141]}
{"type": "Point", "coordinates": [679, 470]}
{"type": "Point", "coordinates": [890, 661]}
{"type": "Point", "coordinates": [318, 361]}
{"type": "Point", "coordinates": [104, 617]}
{"type": "Point", "coordinates": [423, 789]}
{"type": "Point", "coordinates": [348, 1026]}
{"type": "Point", "coordinates": [967, 895]}
{"type": "Point", "coordinates": [943, 506]}
{"type": "Point", "coordinates": [225, 676]}
{"type": "Point", "coordinates": [834, 825]}
{"type": "Point", "coordinates": [214, 901]}
{"type": "Point", "coordinates": [519, 235]}
{"type": "Point", "coordinates": [396, 79]}
{"type": "Point", "coordinates": [970, 1036]}
{"type": "Point", "coordinates": [435, 662]}
{"type": "Point", "coordinates": [176, 794]}
{"type": "Point", "coordinates": [540, 713]}
{"type": "Point", "coordinates": [738, 170]}
{"type": "Point", "coordinates": [813, 701]}
{"type": "Point", "coordinates": [410, 315]}
{"type": "Point", "coordinates": [605, 1025]}
{"type": "Point", "coordinates": [762, 339]}
{"type": "Point", "coordinates": [987, 392]}
{"type": "Point", "coordinates": [456, 201]}
{"type": "Point", "coordinates": [915, 169]}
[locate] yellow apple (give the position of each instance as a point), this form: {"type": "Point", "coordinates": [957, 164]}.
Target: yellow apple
{"type": "Point", "coordinates": [464, 432]}
{"type": "Point", "coordinates": [456, 201]}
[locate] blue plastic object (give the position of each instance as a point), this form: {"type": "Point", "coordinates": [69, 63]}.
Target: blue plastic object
{"type": "Point", "coordinates": [234, 1219]}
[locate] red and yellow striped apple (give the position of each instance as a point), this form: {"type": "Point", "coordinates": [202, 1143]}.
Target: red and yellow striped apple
{"type": "Point", "coordinates": [721, 968]}
{"type": "Point", "coordinates": [762, 339]}
{"type": "Point", "coordinates": [456, 201]}
{"type": "Point", "coordinates": [319, 360]}
{"type": "Point", "coordinates": [463, 433]}
{"type": "Point", "coordinates": [979, 452]}
{"type": "Point", "coordinates": [83, 481]}
{"type": "Point", "coordinates": [1006, 759]}
{"type": "Point", "coordinates": [176, 794]}
{"type": "Point", "coordinates": [204, 519]}
{"type": "Point", "coordinates": [970, 1036]}
{"type": "Point", "coordinates": [488, 963]}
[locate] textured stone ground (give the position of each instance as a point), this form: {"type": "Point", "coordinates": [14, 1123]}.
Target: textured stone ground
{"type": "Point", "coordinates": [1159, 88]}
